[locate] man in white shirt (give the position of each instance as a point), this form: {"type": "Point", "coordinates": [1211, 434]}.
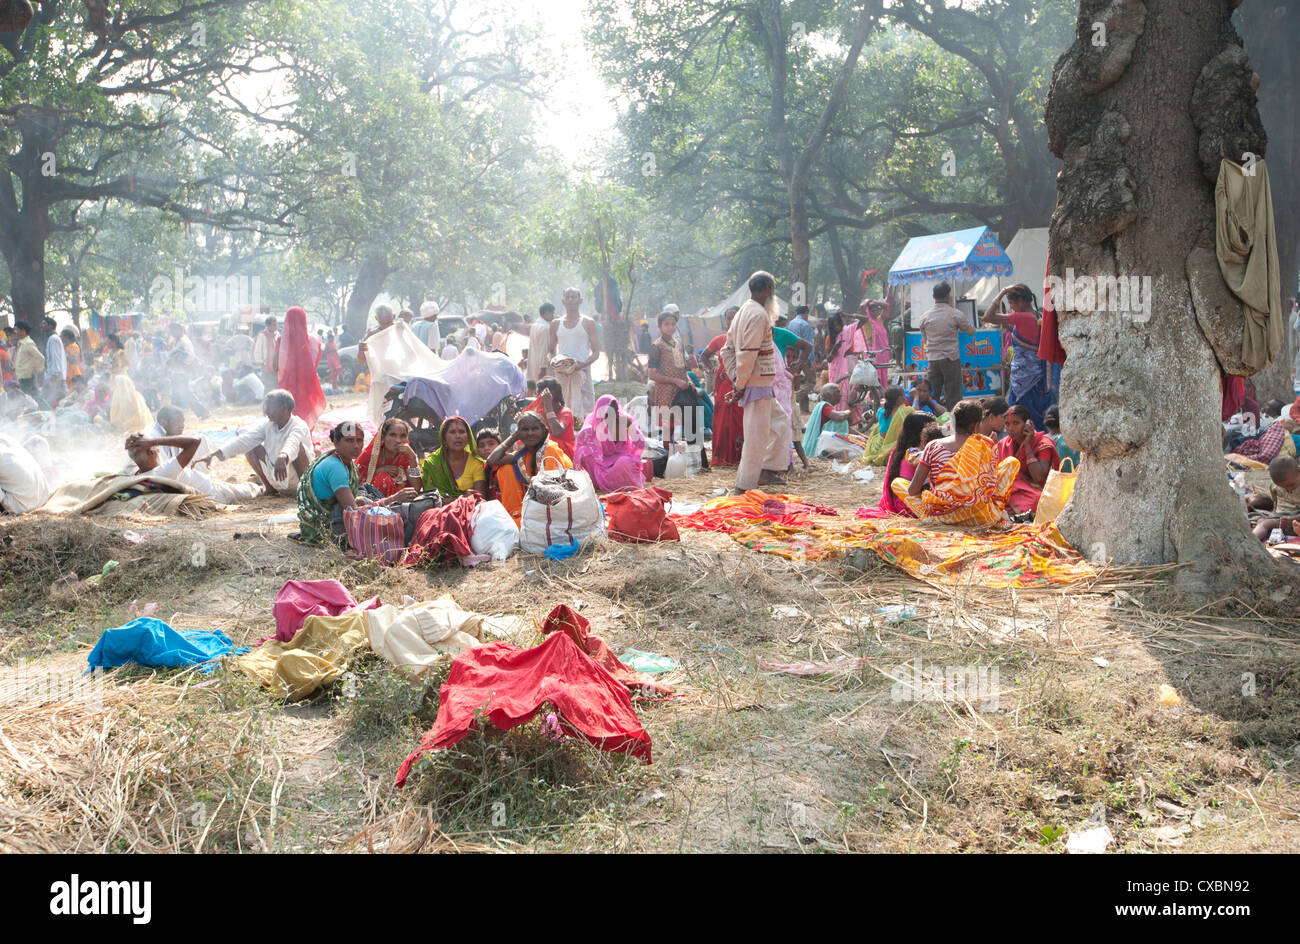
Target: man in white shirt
{"type": "Point", "coordinates": [264, 352]}
{"type": "Point", "coordinates": [23, 486]}
{"type": "Point", "coordinates": [279, 450]}
{"type": "Point", "coordinates": [539, 344]}
{"type": "Point", "coordinates": [575, 336]}
{"type": "Point", "coordinates": [426, 329]}
{"type": "Point", "coordinates": [240, 347]}
{"type": "Point", "coordinates": [54, 385]}
{"type": "Point", "coordinates": [144, 452]}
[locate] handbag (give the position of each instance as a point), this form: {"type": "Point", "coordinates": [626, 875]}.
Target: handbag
{"type": "Point", "coordinates": [374, 532]}
{"type": "Point", "coordinates": [639, 516]}
{"type": "Point", "coordinates": [559, 508]}
{"type": "Point", "coordinates": [1056, 492]}
{"type": "Point", "coordinates": [411, 511]}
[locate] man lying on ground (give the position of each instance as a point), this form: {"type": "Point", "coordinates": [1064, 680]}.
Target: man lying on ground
{"type": "Point", "coordinates": [279, 450]}
{"type": "Point", "coordinates": [145, 453]}
{"type": "Point", "coordinates": [23, 486]}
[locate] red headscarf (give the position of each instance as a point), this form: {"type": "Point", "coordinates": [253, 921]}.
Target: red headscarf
{"type": "Point", "coordinates": [298, 359]}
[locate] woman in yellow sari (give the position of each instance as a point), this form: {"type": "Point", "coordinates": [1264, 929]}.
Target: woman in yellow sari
{"type": "Point", "coordinates": [889, 423]}
{"type": "Point", "coordinates": [967, 485]}
{"type": "Point", "coordinates": [127, 410]}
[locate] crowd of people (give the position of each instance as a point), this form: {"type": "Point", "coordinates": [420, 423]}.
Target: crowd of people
{"type": "Point", "coordinates": [763, 396]}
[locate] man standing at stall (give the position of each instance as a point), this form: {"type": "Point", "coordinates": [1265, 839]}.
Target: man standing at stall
{"type": "Point", "coordinates": [941, 327]}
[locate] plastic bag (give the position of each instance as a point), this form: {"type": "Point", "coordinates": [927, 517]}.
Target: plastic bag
{"type": "Point", "coordinates": [1056, 493]}
{"type": "Point", "coordinates": [493, 532]}
{"type": "Point", "coordinates": [864, 375]}
{"type": "Point", "coordinates": [834, 444]}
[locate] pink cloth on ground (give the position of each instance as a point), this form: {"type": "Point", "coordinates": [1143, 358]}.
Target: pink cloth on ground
{"type": "Point", "coordinates": [299, 599]}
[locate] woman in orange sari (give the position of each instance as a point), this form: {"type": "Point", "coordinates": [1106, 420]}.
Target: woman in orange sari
{"type": "Point", "coordinates": [515, 467]}
{"type": "Point", "coordinates": [967, 485]}
{"type": "Point", "coordinates": [393, 466]}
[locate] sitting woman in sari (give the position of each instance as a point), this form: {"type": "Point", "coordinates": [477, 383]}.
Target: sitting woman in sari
{"type": "Point", "coordinates": [330, 485]}
{"type": "Point", "coordinates": [609, 448]}
{"type": "Point", "coordinates": [824, 418]}
{"type": "Point", "coordinates": [454, 468]}
{"type": "Point", "coordinates": [889, 423]}
{"type": "Point", "coordinates": [392, 466]}
{"type": "Point", "coordinates": [967, 485]}
{"type": "Point", "coordinates": [515, 467]}
{"type": "Point", "coordinates": [1036, 454]}
{"type": "Point", "coordinates": [902, 462]}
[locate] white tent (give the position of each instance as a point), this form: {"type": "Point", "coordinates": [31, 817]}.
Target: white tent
{"type": "Point", "coordinates": [1028, 253]}
{"type": "Point", "coordinates": [737, 298]}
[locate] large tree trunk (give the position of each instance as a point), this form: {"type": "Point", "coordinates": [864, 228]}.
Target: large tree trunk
{"type": "Point", "coordinates": [369, 283]}
{"type": "Point", "coordinates": [24, 229]}
{"type": "Point", "coordinates": [1141, 123]}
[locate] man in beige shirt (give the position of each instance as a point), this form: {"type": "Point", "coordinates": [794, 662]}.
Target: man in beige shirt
{"type": "Point", "coordinates": [749, 357]}
{"type": "Point", "coordinates": [940, 326]}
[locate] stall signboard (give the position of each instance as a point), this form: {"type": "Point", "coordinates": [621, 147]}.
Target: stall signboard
{"type": "Point", "coordinates": [981, 359]}
{"type": "Point", "coordinates": [983, 348]}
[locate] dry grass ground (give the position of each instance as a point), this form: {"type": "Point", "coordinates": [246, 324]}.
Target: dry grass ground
{"type": "Point", "coordinates": [743, 761]}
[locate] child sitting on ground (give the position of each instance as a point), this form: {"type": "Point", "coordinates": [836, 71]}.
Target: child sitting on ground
{"type": "Point", "coordinates": [1283, 498]}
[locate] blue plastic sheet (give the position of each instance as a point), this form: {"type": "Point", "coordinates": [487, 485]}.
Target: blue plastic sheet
{"type": "Point", "coordinates": [151, 643]}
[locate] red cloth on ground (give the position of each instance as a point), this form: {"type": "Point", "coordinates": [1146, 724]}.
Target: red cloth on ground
{"type": "Point", "coordinates": [508, 685]}
{"type": "Point", "coordinates": [297, 367]}
{"type": "Point", "coordinates": [442, 534]}
{"type": "Point", "coordinates": [730, 514]}
{"type": "Point", "coordinates": [299, 599]}
{"type": "Point", "coordinates": [563, 619]}
{"type": "Point", "coordinates": [1049, 343]}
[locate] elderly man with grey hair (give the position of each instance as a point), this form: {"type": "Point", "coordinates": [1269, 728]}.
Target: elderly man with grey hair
{"type": "Point", "coordinates": [749, 357]}
{"type": "Point", "coordinates": [279, 450]}
{"type": "Point", "coordinates": [426, 329]}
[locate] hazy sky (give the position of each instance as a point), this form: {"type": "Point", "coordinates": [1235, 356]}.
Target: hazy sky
{"type": "Point", "coordinates": [577, 118]}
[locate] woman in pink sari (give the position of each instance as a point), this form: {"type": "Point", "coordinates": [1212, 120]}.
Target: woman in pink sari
{"type": "Point", "coordinates": [878, 348]}
{"type": "Point", "coordinates": [847, 343]}
{"type": "Point", "coordinates": [902, 462]}
{"type": "Point", "coordinates": [609, 448]}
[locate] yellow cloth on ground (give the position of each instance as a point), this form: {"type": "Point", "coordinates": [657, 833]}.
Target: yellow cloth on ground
{"type": "Point", "coordinates": [317, 655]}
{"type": "Point", "coordinates": [1025, 556]}
{"type": "Point", "coordinates": [1246, 244]}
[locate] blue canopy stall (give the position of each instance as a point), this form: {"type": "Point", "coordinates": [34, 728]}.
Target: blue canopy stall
{"type": "Point", "coordinates": [960, 258]}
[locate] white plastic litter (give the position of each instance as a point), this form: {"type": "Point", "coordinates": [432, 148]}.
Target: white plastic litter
{"type": "Point", "coordinates": [864, 475]}
{"type": "Point", "coordinates": [1089, 841]}
{"type": "Point", "coordinates": [283, 517]}
{"type": "Point", "coordinates": [493, 532]}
